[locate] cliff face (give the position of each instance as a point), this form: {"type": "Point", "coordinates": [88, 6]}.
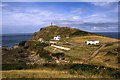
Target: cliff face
{"type": "Point", "coordinates": [49, 32]}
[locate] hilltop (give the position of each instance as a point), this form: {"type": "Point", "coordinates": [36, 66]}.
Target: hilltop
{"type": "Point", "coordinates": [74, 34]}
{"type": "Point", "coordinates": [50, 31]}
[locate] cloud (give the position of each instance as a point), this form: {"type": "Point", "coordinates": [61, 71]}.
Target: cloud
{"type": "Point", "coordinates": [77, 10]}
{"type": "Point", "coordinates": [102, 27]}
{"type": "Point", "coordinates": [101, 4]}
{"type": "Point", "coordinates": [75, 17]}
{"type": "Point", "coordinates": [94, 28]}
{"type": "Point", "coordinates": [102, 16]}
{"type": "Point", "coordinates": [31, 17]}
{"type": "Point", "coordinates": [96, 19]}
{"type": "Point", "coordinates": [37, 17]}
{"type": "Point", "coordinates": [2, 5]}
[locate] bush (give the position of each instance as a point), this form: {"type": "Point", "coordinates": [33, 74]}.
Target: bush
{"type": "Point", "coordinates": [35, 45]}
{"type": "Point", "coordinates": [71, 71]}
{"type": "Point", "coordinates": [58, 55]}
{"type": "Point", "coordinates": [44, 54]}
{"type": "Point", "coordinates": [40, 45]}
{"type": "Point", "coordinates": [17, 66]}
{"type": "Point", "coordinates": [22, 43]}
{"type": "Point", "coordinates": [109, 44]}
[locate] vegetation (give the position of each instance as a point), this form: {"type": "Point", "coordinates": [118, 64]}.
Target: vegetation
{"type": "Point", "coordinates": [22, 43]}
{"type": "Point", "coordinates": [44, 54]}
{"type": "Point", "coordinates": [81, 33]}
{"type": "Point", "coordinates": [102, 39]}
{"type": "Point", "coordinates": [49, 32]}
{"type": "Point", "coordinates": [58, 55]}
{"type": "Point", "coordinates": [18, 66]}
{"type": "Point", "coordinates": [38, 47]}
{"type": "Point", "coordinates": [69, 71]}
{"type": "Point", "coordinates": [21, 62]}
{"type": "Point", "coordinates": [108, 56]}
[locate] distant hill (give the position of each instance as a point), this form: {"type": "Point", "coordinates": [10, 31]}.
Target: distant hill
{"type": "Point", "coordinates": [49, 32]}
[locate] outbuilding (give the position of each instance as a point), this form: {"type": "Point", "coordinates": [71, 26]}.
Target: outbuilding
{"type": "Point", "coordinates": [92, 42]}
{"type": "Point", "coordinates": [57, 38]}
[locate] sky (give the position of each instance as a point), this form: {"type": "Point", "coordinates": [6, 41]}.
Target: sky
{"type": "Point", "coordinates": [29, 17]}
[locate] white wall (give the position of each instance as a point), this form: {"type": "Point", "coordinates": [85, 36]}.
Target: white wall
{"type": "Point", "coordinates": [92, 42]}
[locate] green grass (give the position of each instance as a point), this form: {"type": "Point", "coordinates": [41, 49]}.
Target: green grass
{"type": "Point", "coordinates": [81, 51]}
{"type": "Point", "coordinates": [77, 53]}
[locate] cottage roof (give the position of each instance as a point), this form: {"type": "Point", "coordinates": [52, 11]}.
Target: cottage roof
{"type": "Point", "coordinates": [92, 40]}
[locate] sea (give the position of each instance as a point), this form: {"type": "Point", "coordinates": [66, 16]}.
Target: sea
{"type": "Point", "coordinates": [8, 40]}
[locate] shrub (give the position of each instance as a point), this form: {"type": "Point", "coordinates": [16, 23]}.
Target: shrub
{"type": "Point", "coordinates": [58, 55]}
{"type": "Point", "coordinates": [44, 54]}
{"type": "Point", "coordinates": [109, 44]}
{"type": "Point", "coordinates": [71, 71]}
{"type": "Point", "coordinates": [22, 43]}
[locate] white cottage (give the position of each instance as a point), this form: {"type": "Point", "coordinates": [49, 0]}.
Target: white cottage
{"type": "Point", "coordinates": [57, 38]}
{"type": "Point", "coordinates": [92, 42]}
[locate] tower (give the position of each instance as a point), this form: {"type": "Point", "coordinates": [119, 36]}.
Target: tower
{"type": "Point", "coordinates": [51, 24]}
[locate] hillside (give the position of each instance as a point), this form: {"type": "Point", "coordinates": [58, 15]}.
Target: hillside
{"type": "Point", "coordinates": [81, 61]}
{"type": "Point", "coordinates": [49, 32]}
{"type": "Point", "coordinates": [74, 34]}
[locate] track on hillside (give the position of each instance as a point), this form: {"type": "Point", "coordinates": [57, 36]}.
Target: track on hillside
{"type": "Point", "coordinates": [95, 53]}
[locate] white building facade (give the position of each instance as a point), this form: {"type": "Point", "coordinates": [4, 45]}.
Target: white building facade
{"type": "Point", "coordinates": [57, 38]}
{"type": "Point", "coordinates": [92, 42]}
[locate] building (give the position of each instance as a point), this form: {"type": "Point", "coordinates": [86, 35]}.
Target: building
{"type": "Point", "coordinates": [57, 38]}
{"type": "Point", "coordinates": [92, 42]}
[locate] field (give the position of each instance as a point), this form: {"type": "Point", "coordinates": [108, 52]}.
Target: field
{"type": "Point", "coordinates": [38, 73]}
{"type": "Point", "coordinates": [81, 62]}
{"type": "Point", "coordinates": [46, 73]}
{"type": "Point", "coordinates": [102, 39]}
{"type": "Point", "coordinates": [63, 71]}
{"type": "Point", "coordinates": [108, 56]}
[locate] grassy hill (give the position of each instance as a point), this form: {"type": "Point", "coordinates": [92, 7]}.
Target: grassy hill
{"type": "Point", "coordinates": [81, 61]}
{"type": "Point", "coordinates": [76, 35]}
{"type": "Point", "coordinates": [102, 39]}
{"type": "Point", "coordinates": [49, 32]}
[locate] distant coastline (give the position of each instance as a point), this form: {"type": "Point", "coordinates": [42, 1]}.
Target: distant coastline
{"type": "Point", "coordinates": [110, 34]}
{"type": "Point", "coordinates": [8, 40]}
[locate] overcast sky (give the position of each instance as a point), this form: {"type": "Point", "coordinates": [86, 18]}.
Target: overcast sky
{"type": "Point", "coordinates": [28, 17]}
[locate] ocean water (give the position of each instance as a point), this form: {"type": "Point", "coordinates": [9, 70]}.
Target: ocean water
{"type": "Point", "coordinates": [9, 40]}
{"type": "Point", "coordinates": [110, 34]}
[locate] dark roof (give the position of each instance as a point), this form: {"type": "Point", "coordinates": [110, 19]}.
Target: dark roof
{"type": "Point", "coordinates": [91, 40]}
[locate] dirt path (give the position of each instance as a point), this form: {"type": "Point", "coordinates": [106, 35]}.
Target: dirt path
{"type": "Point", "coordinates": [95, 53]}
{"type": "Point", "coordinates": [60, 47]}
